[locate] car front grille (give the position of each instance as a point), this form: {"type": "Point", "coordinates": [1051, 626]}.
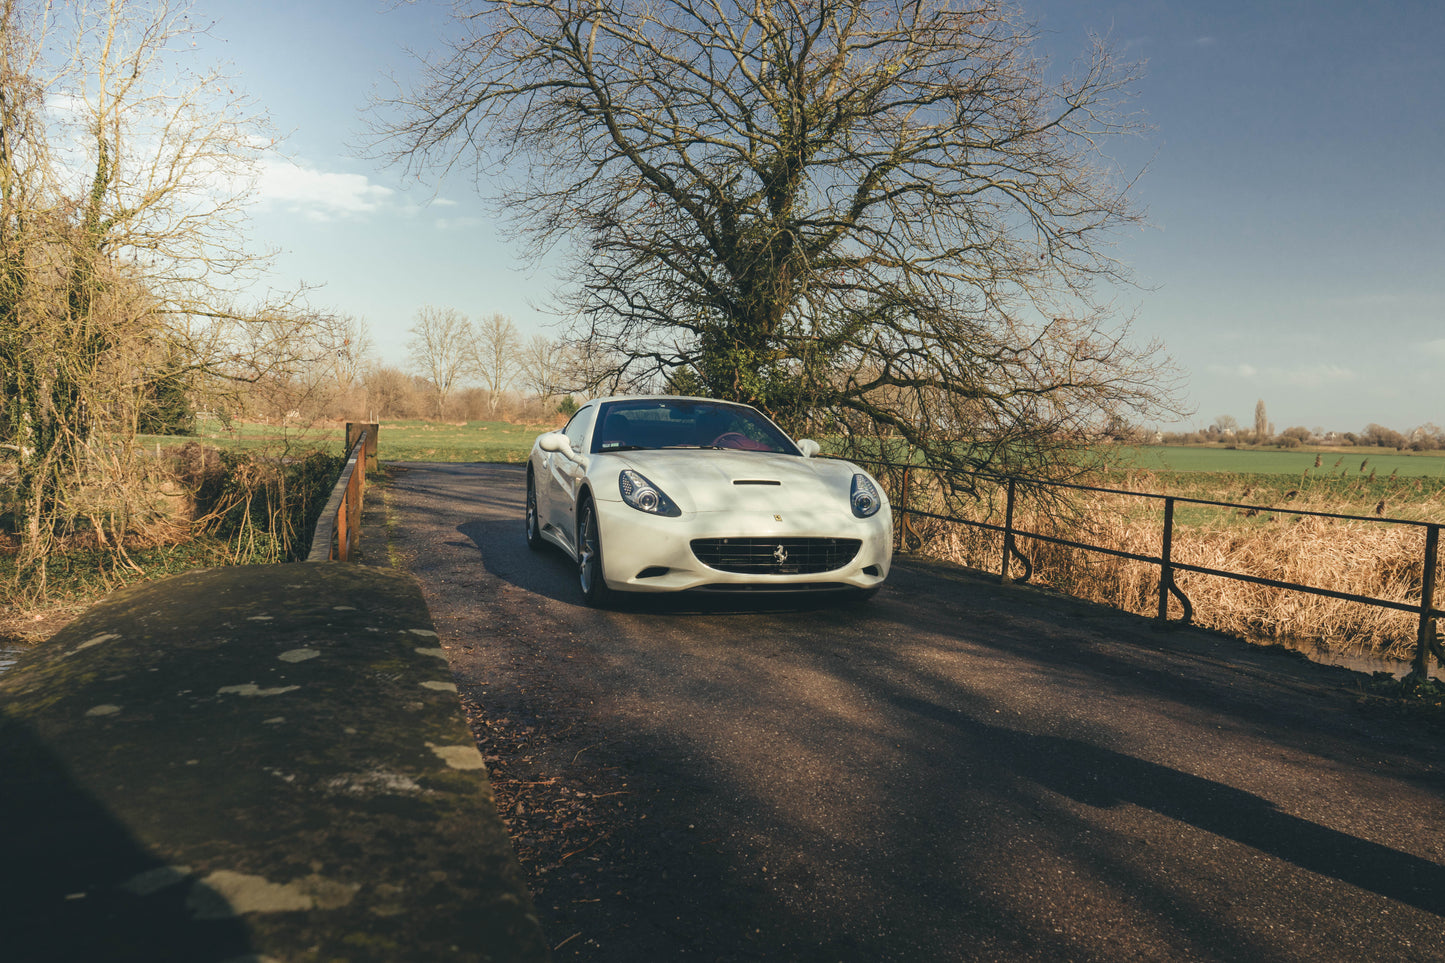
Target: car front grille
{"type": "Point", "coordinates": [775, 556]}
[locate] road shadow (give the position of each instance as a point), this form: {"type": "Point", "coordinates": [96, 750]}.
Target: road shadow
{"type": "Point", "coordinates": [1102, 778]}
{"type": "Point", "coordinates": [77, 885]}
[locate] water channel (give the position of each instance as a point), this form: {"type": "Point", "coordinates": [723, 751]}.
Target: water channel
{"type": "Point", "coordinates": [8, 657]}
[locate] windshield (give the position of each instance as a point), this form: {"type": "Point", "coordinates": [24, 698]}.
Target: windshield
{"type": "Point", "coordinates": [669, 423]}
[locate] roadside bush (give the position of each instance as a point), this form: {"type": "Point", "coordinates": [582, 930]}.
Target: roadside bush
{"type": "Point", "coordinates": [265, 509]}
{"type": "Point", "coordinates": [165, 408]}
{"type": "Point", "coordinates": [193, 507]}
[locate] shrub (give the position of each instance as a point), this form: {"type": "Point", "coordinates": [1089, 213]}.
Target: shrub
{"type": "Point", "coordinates": [264, 508]}
{"type": "Point", "coordinates": [165, 408]}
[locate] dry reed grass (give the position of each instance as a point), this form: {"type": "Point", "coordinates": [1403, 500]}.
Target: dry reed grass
{"type": "Point", "coordinates": [1366, 558]}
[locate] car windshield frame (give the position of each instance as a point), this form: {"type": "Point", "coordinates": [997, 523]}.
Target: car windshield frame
{"type": "Point", "coordinates": [650, 424]}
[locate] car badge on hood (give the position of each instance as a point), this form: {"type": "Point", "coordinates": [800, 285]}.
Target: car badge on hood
{"type": "Point", "coordinates": [780, 555]}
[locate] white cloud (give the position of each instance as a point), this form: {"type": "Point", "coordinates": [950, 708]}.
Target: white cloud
{"type": "Point", "coordinates": [69, 106]}
{"type": "Point", "coordinates": [1234, 371]}
{"type": "Point", "coordinates": [1436, 348]}
{"type": "Point", "coordinates": [1305, 376]}
{"type": "Point", "coordinates": [320, 195]}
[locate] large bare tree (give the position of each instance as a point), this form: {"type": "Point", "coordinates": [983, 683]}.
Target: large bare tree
{"type": "Point", "coordinates": [882, 216]}
{"type": "Point", "coordinates": [123, 181]}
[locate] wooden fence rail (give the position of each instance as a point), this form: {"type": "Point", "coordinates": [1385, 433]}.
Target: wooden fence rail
{"type": "Point", "coordinates": [1427, 640]}
{"type": "Point", "coordinates": [338, 530]}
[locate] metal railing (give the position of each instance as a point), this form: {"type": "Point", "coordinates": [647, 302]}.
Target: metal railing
{"type": "Point", "coordinates": [1427, 641]}
{"type": "Point", "coordinates": [338, 530]}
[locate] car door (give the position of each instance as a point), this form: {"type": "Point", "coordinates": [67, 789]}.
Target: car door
{"type": "Point", "coordinates": [564, 477]}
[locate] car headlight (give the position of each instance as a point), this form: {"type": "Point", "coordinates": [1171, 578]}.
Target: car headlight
{"type": "Point", "coordinates": [864, 497]}
{"type": "Point", "coordinates": [644, 496]}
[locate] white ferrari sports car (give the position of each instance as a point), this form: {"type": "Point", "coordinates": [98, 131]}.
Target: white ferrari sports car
{"type": "Point", "coordinates": [667, 494]}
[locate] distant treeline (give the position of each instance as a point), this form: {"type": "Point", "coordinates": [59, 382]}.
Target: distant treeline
{"type": "Point", "coordinates": [1426, 437]}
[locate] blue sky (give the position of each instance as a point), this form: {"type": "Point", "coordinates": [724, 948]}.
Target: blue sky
{"type": "Point", "coordinates": [1295, 247]}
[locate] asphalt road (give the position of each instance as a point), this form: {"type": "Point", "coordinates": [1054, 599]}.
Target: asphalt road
{"type": "Point", "coordinates": [953, 771]}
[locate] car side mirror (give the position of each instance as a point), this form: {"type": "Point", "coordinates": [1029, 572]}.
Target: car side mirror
{"type": "Point", "coordinates": [555, 441]}
{"type": "Point", "coordinates": [808, 447]}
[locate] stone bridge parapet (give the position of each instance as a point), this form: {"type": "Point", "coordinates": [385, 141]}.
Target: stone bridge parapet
{"type": "Point", "coordinates": [253, 763]}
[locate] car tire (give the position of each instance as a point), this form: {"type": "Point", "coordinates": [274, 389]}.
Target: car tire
{"type": "Point", "coordinates": [534, 529]}
{"type": "Point", "coordinates": [589, 557]}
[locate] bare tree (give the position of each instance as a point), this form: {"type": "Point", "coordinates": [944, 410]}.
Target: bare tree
{"type": "Point", "coordinates": [1384, 437]}
{"type": "Point", "coordinates": [1261, 423]}
{"type": "Point", "coordinates": [346, 346]}
{"type": "Point", "coordinates": [542, 361]}
{"type": "Point", "coordinates": [327, 354]}
{"type": "Point", "coordinates": [122, 190]}
{"type": "Point", "coordinates": [440, 347]}
{"type": "Point", "coordinates": [494, 357]}
{"type": "Point", "coordinates": [1427, 437]}
{"type": "Point", "coordinates": [320, 377]}
{"type": "Point", "coordinates": [869, 215]}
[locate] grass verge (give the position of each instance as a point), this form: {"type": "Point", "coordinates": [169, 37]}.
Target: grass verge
{"type": "Point", "coordinates": [1362, 557]}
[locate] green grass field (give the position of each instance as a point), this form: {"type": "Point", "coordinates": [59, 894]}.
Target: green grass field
{"type": "Point", "coordinates": [500, 441]}
{"type": "Point", "coordinates": [493, 441]}
{"type": "Point", "coordinates": [1354, 481]}
{"type": "Point", "coordinates": [1346, 462]}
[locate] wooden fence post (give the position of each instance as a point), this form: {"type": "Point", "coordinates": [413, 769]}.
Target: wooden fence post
{"type": "Point", "coordinates": [353, 430]}
{"type": "Point", "coordinates": [343, 533]}
{"type": "Point", "coordinates": [355, 492]}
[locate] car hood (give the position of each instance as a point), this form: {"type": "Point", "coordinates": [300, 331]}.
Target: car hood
{"type": "Point", "coordinates": [706, 480]}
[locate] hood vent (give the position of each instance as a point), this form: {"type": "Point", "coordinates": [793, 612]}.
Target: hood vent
{"type": "Point", "coordinates": [755, 481]}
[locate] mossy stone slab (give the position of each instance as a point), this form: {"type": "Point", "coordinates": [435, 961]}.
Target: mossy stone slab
{"type": "Point", "coordinates": [251, 763]}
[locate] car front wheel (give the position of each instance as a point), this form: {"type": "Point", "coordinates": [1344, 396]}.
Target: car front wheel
{"type": "Point", "coordinates": [534, 531]}
{"type": "Point", "coordinates": [589, 557]}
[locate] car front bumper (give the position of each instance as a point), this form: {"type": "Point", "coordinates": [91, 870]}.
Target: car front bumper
{"type": "Point", "coordinates": [649, 553]}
